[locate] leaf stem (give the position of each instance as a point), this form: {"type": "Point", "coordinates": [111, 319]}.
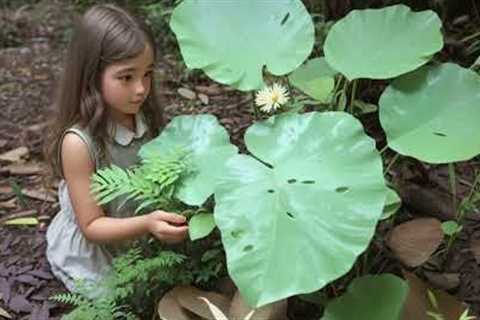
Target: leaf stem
{"type": "Point", "coordinates": [352, 97]}
{"type": "Point", "coordinates": [453, 187]}
{"type": "Point", "coordinates": [395, 157]}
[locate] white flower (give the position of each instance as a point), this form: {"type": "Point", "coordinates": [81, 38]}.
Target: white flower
{"type": "Point", "coordinates": [271, 98]}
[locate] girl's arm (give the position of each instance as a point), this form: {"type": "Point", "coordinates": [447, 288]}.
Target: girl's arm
{"type": "Point", "coordinates": [77, 169]}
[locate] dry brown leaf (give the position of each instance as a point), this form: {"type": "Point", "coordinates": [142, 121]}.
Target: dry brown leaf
{"type": "Point", "coordinates": [169, 308]}
{"type": "Point", "coordinates": [475, 249]}
{"type": "Point", "coordinates": [187, 93]}
{"type": "Point", "coordinates": [5, 189]}
{"type": "Point", "coordinates": [188, 298]}
{"type": "Point", "coordinates": [273, 311]}
{"type": "Point", "coordinates": [209, 90]}
{"type": "Point", "coordinates": [24, 169]}
{"type": "Point", "coordinates": [413, 242]}
{"type": "Point", "coordinates": [5, 314]}
{"type": "Point", "coordinates": [39, 195]}
{"type": "Point", "coordinates": [444, 281]}
{"type": "Point", "coordinates": [38, 126]}
{"type": "Point", "coordinates": [15, 155]}
{"type": "Point", "coordinates": [203, 98]}
{"type": "Point", "coordinates": [9, 204]}
{"type": "Point", "coordinates": [417, 303]}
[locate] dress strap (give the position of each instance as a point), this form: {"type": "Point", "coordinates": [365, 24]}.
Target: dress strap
{"type": "Point", "coordinates": [92, 150]}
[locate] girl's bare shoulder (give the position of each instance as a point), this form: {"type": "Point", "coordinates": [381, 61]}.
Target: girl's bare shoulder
{"type": "Point", "coordinates": [75, 154]}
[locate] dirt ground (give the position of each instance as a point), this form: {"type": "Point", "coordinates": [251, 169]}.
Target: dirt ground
{"type": "Point", "coordinates": [28, 73]}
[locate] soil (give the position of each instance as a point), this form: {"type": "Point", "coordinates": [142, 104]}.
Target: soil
{"type": "Point", "coordinates": [28, 73]}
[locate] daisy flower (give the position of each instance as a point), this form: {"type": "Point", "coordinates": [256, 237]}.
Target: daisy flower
{"type": "Point", "coordinates": [271, 98]}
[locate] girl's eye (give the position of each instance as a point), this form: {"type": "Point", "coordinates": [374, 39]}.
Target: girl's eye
{"type": "Point", "coordinates": [126, 78]}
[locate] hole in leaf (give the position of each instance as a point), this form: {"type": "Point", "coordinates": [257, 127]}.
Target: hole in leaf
{"type": "Point", "coordinates": [342, 189]}
{"type": "Point", "coordinates": [285, 18]}
{"type": "Point", "coordinates": [236, 233]}
{"type": "Point", "coordinates": [270, 191]}
{"type": "Point", "coordinates": [440, 134]}
{"type": "Point", "coordinates": [292, 180]}
{"type": "Point", "coordinates": [308, 181]}
{"type": "Point", "coordinates": [290, 215]}
{"type": "Point", "coordinates": [247, 248]}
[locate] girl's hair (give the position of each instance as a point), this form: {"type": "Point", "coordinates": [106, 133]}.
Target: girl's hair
{"type": "Point", "coordinates": [104, 34]}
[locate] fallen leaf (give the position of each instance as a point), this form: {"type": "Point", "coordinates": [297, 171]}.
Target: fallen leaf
{"type": "Point", "coordinates": [5, 314]}
{"type": "Point", "coordinates": [9, 204]}
{"type": "Point", "coordinates": [15, 155]}
{"type": "Point", "coordinates": [24, 169]}
{"type": "Point", "coordinates": [273, 311]}
{"type": "Point", "coordinates": [5, 189]}
{"type": "Point", "coordinates": [475, 249]}
{"type": "Point", "coordinates": [417, 303]}
{"type": "Point", "coordinates": [210, 90]}
{"type": "Point", "coordinates": [40, 313]}
{"type": "Point", "coordinates": [39, 195]}
{"type": "Point", "coordinates": [3, 143]}
{"type": "Point", "coordinates": [445, 281]}
{"type": "Point", "coordinates": [22, 221]}
{"type": "Point", "coordinates": [413, 242]}
{"type": "Point", "coordinates": [187, 296]}
{"type": "Point", "coordinates": [38, 126]}
{"type": "Point", "coordinates": [203, 98]}
{"type": "Point", "coordinates": [19, 304]}
{"type": "Point", "coordinates": [187, 93]}
{"type": "Point", "coordinates": [214, 310]}
{"type": "Point", "coordinates": [169, 308]}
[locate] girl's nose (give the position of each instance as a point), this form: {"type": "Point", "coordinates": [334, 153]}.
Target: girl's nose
{"type": "Point", "coordinates": [140, 88]}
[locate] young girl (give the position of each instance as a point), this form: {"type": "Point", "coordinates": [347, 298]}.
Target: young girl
{"type": "Point", "coordinates": [107, 110]}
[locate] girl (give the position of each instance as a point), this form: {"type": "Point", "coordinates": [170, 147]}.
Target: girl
{"type": "Point", "coordinates": [106, 111]}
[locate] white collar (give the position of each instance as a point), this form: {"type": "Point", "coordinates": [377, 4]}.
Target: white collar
{"type": "Point", "coordinates": [123, 135]}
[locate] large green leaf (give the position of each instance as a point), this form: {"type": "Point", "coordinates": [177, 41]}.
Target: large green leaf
{"type": "Point", "coordinates": [233, 40]}
{"type": "Point", "coordinates": [315, 78]}
{"type": "Point", "coordinates": [433, 114]}
{"type": "Point", "coordinates": [208, 146]}
{"type": "Point", "coordinates": [370, 298]}
{"type": "Point", "coordinates": [298, 221]}
{"type": "Point", "coordinates": [383, 43]}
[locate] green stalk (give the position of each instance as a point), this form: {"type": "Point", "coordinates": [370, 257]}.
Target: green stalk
{"type": "Point", "coordinates": [395, 157]}
{"type": "Point", "coordinates": [352, 97]}
{"type": "Point", "coordinates": [453, 187]}
{"type": "Point", "coordinates": [384, 149]}
{"type": "Point", "coordinates": [470, 37]}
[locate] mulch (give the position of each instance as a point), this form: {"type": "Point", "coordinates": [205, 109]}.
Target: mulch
{"type": "Point", "coordinates": [28, 75]}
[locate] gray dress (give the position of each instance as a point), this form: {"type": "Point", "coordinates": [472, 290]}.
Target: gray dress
{"type": "Point", "coordinates": [70, 254]}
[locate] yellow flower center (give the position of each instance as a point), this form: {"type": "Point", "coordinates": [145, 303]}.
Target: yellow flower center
{"type": "Point", "coordinates": [275, 97]}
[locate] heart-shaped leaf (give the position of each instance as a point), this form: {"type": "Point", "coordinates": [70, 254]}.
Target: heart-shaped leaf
{"type": "Point", "coordinates": [233, 40]}
{"type": "Point", "coordinates": [298, 220]}
{"type": "Point", "coordinates": [433, 113]}
{"type": "Point", "coordinates": [394, 40]}
{"type": "Point", "coordinates": [315, 78]}
{"type": "Point", "coordinates": [363, 296]}
{"type": "Point", "coordinates": [208, 146]}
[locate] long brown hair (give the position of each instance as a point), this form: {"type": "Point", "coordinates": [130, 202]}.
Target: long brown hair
{"type": "Point", "coordinates": [104, 34]}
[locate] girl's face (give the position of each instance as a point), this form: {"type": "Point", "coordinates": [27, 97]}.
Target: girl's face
{"type": "Point", "coordinates": [126, 84]}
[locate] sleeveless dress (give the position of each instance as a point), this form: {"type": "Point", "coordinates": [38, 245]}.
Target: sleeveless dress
{"type": "Point", "coordinates": [70, 254]}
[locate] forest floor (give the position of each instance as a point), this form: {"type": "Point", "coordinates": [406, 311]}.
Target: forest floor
{"type": "Point", "coordinates": [29, 71]}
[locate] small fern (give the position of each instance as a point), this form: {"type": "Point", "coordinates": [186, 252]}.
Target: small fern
{"type": "Point", "coordinates": [152, 184]}
{"type": "Point", "coordinates": [69, 298]}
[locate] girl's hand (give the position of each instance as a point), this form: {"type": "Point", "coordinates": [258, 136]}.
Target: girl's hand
{"type": "Point", "coordinates": [166, 226]}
